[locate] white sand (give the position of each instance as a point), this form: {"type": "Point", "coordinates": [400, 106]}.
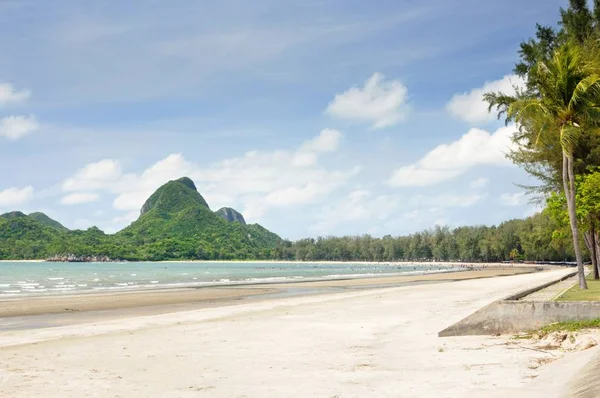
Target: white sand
{"type": "Point", "coordinates": [374, 343]}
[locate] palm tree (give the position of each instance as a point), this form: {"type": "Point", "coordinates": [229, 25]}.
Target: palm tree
{"type": "Point", "coordinates": [562, 108]}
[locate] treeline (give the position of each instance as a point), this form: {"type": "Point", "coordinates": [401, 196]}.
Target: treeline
{"type": "Point", "coordinates": [541, 237]}
{"type": "Point", "coordinates": [531, 239]}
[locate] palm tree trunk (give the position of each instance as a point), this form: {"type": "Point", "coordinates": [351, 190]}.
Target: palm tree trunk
{"type": "Point", "coordinates": [590, 241]}
{"type": "Point", "coordinates": [594, 252]}
{"type": "Point", "coordinates": [569, 187]}
{"type": "Point", "coordinates": [597, 249]}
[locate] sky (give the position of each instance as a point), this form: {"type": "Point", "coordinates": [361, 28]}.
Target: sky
{"type": "Point", "coordinates": [312, 118]}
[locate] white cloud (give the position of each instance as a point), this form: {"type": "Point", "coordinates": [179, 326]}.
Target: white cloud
{"type": "Point", "coordinates": [358, 205]}
{"type": "Point", "coordinates": [448, 161]}
{"type": "Point", "coordinates": [126, 218]}
{"type": "Point", "coordinates": [79, 198]}
{"type": "Point", "coordinates": [471, 107]}
{"type": "Point", "coordinates": [532, 210]}
{"type": "Point", "coordinates": [15, 127]}
{"type": "Point", "coordinates": [117, 223]}
{"type": "Point", "coordinates": [327, 141]}
{"type": "Point", "coordinates": [304, 159]}
{"type": "Point", "coordinates": [440, 222]}
{"type": "Point", "coordinates": [83, 223]}
{"type": "Point", "coordinates": [362, 206]}
{"type": "Point", "coordinates": [306, 192]}
{"type": "Point", "coordinates": [448, 200]}
{"type": "Point", "coordinates": [94, 176]}
{"type": "Point", "coordinates": [513, 199]}
{"type": "Point", "coordinates": [281, 185]}
{"type": "Point", "coordinates": [15, 196]}
{"type": "Point", "coordinates": [380, 102]}
{"type": "Point", "coordinates": [254, 182]}
{"type": "Point", "coordinates": [479, 183]}
{"type": "Point", "coordinates": [9, 95]}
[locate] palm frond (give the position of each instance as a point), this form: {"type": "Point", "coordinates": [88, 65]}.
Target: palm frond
{"type": "Point", "coordinates": [586, 91]}
{"type": "Point", "coordinates": [569, 137]}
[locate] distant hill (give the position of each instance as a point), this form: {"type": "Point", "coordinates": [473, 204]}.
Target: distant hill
{"type": "Point", "coordinates": [24, 237]}
{"type": "Point", "coordinates": [231, 215]}
{"type": "Point", "coordinates": [175, 222]}
{"type": "Point", "coordinates": [13, 214]}
{"type": "Point", "coordinates": [44, 219]}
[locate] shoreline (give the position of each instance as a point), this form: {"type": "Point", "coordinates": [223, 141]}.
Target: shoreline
{"type": "Point", "coordinates": [228, 284]}
{"type": "Point", "coordinates": [391, 263]}
{"type": "Point", "coordinates": [167, 299]}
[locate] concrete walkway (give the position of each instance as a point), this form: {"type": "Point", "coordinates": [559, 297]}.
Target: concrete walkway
{"type": "Point", "coordinates": [552, 292]}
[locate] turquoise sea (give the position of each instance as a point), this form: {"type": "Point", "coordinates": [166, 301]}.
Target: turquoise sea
{"type": "Point", "coordinates": [48, 278]}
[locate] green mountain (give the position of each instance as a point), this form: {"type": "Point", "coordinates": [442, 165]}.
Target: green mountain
{"type": "Point", "coordinates": [44, 219]}
{"type": "Point", "coordinates": [177, 222]}
{"type": "Point", "coordinates": [174, 195]}
{"type": "Point", "coordinates": [174, 223]}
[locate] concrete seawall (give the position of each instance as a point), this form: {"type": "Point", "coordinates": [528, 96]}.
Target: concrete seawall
{"type": "Point", "coordinates": [511, 315]}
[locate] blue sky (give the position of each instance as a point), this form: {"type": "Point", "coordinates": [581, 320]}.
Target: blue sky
{"type": "Point", "coordinates": [310, 117]}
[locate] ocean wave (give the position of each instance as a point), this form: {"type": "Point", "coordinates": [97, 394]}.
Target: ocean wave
{"type": "Point", "coordinates": [122, 288]}
{"type": "Point", "coordinates": [268, 279]}
{"type": "Point", "coordinates": [27, 283]}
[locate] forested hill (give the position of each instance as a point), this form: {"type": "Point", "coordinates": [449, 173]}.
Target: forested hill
{"type": "Point", "coordinates": [177, 223]}
{"type": "Point", "coordinates": [537, 238]}
{"type": "Point", "coordinates": [174, 223]}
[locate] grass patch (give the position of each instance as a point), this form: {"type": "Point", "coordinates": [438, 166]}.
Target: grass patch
{"type": "Point", "coordinates": [570, 326]}
{"type": "Point", "coordinates": [576, 294]}
{"type": "Point", "coordinates": [523, 336]}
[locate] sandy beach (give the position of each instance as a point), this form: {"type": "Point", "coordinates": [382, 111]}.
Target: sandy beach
{"type": "Point", "coordinates": [370, 339]}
